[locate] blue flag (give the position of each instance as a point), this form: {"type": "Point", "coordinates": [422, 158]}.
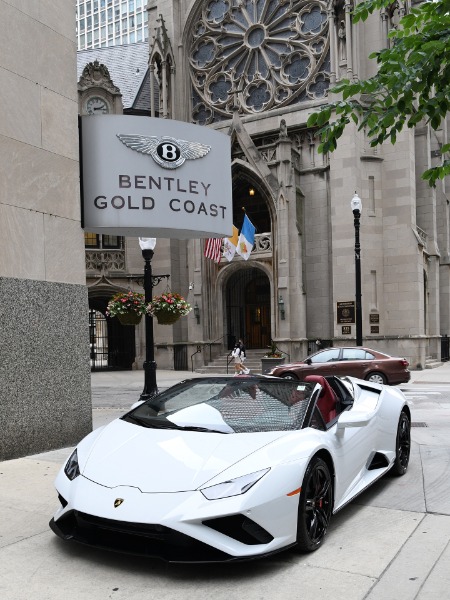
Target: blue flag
{"type": "Point", "coordinates": [246, 239]}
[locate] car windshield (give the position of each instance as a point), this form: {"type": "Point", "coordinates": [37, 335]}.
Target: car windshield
{"type": "Point", "coordinates": [227, 405]}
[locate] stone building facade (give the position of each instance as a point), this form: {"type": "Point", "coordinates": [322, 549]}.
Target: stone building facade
{"type": "Point", "coordinates": [44, 362]}
{"type": "Point", "coordinates": [255, 70]}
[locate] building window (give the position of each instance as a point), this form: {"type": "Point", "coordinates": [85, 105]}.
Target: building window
{"type": "Point", "coordinates": [106, 242]}
{"type": "Point", "coordinates": [277, 57]}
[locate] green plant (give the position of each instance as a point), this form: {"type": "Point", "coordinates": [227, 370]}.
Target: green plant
{"type": "Point", "coordinates": [125, 303]}
{"type": "Point", "coordinates": [274, 351]}
{"type": "Point", "coordinates": [411, 85]}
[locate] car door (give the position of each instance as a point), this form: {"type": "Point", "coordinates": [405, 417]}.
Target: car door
{"type": "Point", "coordinates": [323, 363]}
{"type": "Point", "coordinates": [353, 363]}
{"type": "Point", "coordinates": [354, 445]}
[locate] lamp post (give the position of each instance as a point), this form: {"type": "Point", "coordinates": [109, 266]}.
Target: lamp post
{"type": "Point", "coordinates": [150, 387]}
{"type": "Point", "coordinates": [356, 205]}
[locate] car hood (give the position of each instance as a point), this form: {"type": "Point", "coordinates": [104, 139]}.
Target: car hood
{"type": "Point", "coordinates": [161, 460]}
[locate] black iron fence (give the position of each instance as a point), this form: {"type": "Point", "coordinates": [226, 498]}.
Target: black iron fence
{"type": "Point", "coordinates": [445, 348]}
{"type": "Point", "coordinates": [180, 360]}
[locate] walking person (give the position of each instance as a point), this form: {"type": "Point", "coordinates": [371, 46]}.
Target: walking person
{"type": "Point", "coordinates": [243, 356]}
{"type": "Point", "coordinates": [239, 368]}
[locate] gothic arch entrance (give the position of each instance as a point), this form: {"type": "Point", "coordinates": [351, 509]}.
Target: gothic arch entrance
{"type": "Point", "coordinates": [247, 298]}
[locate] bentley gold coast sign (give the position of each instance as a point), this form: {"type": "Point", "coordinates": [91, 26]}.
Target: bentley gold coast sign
{"type": "Point", "coordinates": [149, 177]}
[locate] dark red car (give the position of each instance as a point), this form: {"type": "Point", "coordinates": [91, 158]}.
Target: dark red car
{"type": "Point", "coordinates": [363, 363]}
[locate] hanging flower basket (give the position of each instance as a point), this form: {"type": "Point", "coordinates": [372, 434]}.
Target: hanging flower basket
{"type": "Point", "coordinates": [165, 318]}
{"type": "Point", "coordinates": [129, 318]}
{"type": "Point", "coordinates": [127, 307]}
{"type": "Point", "coordinates": [168, 308]}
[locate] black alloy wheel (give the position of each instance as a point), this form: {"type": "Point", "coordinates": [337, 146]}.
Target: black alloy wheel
{"type": "Point", "coordinates": [402, 445]}
{"type": "Point", "coordinates": [315, 505]}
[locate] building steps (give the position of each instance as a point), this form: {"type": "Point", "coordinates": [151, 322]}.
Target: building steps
{"type": "Point", "coordinates": [219, 364]}
{"type": "Point", "coordinates": [432, 363]}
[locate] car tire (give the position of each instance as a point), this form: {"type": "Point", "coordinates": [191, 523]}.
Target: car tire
{"type": "Point", "coordinates": [402, 445]}
{"type": "Point", "coordinates": [315, 506]}
{"type": "Point", "coordinates": [376, 377]}
{"type": "Point", "coordinates": [290, 376]}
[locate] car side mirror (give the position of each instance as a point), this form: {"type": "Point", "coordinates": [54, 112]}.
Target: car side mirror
{"type": "Point", "coordinates": [354, 419]}
{"type": "Point", "coordinates": [308, 361]}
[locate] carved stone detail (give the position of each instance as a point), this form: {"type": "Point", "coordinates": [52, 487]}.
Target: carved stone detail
{"type": "Point", "coordinates": [96, 74]}
{"type": "Point", "coordinates": [251, 56]}
{"type": "Point", "coordinates": [105, 261]}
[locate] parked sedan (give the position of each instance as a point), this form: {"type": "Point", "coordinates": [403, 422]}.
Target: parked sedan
{"type": "Point", "coordinates": [354, 361]}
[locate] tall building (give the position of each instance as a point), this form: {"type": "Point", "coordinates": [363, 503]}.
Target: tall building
{"type": "Point", "coordinates": [44, 354]}
{"type": "Point", "coordinates": [102, 23]}
{"type": "Point", "coordinates": [255, 71]}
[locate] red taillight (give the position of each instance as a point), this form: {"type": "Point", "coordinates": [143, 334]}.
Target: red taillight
{"type": "Point", "coordinates": [404, 362]}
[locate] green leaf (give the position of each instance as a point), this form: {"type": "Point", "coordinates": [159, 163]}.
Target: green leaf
{"type": "Point", "coordinates": [323, 116]}
{"type": "Point", "coordinates": [312, 120]}
{"type": "Point", "coordinates": [411, 84]}
{"type": "Point", "coordinates": [436, 122]}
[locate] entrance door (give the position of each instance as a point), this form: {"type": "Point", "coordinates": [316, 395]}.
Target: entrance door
{"type": "Point", "coordinates": [257, 314]}
{"type": "Point", "coordinates": [248, 308]}
{"type": "Point", "coordinates": [258, 325]}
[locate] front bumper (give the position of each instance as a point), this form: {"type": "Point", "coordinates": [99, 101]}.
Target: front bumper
{"type": "Point", "coordinates": [178, 527]}
{"type": "Point", "coordinates": [143, 539]}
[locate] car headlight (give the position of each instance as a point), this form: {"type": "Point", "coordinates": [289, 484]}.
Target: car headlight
{"type": "Point", "coordinates": [72, 469]}
{"type": "Point", "coordinates": [234, 487]}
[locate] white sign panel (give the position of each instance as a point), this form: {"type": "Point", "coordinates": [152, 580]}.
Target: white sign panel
{"type": "Point", "coordinates": [155, 178]}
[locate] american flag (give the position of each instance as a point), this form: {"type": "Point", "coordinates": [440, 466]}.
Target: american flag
{"type": "Point", "coordinates": [213, 247]}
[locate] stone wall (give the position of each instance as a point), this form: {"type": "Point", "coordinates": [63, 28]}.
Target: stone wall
{"type": "Point", "coordinates": [44, 366]}
{"type": "Point", "coordinates": [44, 349]}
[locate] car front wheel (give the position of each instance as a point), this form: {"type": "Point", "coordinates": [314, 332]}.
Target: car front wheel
{"type": "Point", "coordinates": [289, 376]}
{"type": "Point", "coordinates": [377, 378]}
{"type": "Point", "coordinates": [402, 445]}
{"type": "Point", "coordinates": [315, 505]}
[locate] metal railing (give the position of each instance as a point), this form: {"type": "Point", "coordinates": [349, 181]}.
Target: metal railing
{"type": "Point", "coordinates": [198, 351]}
{"type": "Point", "coordinates": [207, 344]}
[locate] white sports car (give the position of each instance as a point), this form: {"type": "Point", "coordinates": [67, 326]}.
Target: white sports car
{"type": "Point", "coordinates": [231, 468]}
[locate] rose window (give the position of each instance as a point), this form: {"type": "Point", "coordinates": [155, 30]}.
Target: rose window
{"type": "Point", "coordinates": [257, 55]}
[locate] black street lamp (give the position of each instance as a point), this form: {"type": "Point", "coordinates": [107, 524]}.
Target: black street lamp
{"type": "Point", "coordinates": [150, 386]}
{"type": "Point", "coordinates": [356, 205]}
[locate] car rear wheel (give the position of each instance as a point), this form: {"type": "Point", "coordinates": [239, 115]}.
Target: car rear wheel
{"type": "Point", "coordinates": [402, 445]}
{"type": "Point", "coordinates": [315, 505]}
{"type": "Point", "coordinates": [289, 376]}
{"type": "Point", "coordinates": [377, 378]}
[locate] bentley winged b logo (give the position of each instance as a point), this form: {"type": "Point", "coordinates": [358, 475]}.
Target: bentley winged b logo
{"type": "Point", "coordinates": [166, 151]}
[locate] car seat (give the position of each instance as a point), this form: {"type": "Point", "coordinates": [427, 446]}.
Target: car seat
{"type": "Point", "coordinates": [327, 402]}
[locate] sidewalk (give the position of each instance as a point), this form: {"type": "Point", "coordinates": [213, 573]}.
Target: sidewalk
{"type": "Point", "coordinates": [390, 543]}
{"type": "Point", "coordinates": [439, 375]}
